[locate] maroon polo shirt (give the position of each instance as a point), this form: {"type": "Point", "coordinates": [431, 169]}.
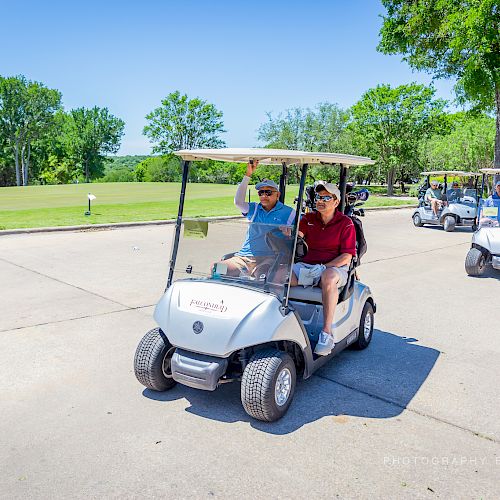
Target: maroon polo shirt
{"type": "Point", "coordinates": [327, 241]}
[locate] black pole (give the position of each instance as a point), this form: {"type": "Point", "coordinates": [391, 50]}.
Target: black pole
{"type": "Point", "coordinates": [295, 234]}
{"type": "Point", "coordinates": [283, 181]}
{"type": "Point", "coordinates": [342, 186]}
{"type": "Point", "coordinates": [178, 224]}
{"type": "Point", "coordinates": [89, 206]}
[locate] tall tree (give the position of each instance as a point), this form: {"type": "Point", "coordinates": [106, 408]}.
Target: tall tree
{"type": "Point", "coordinates": [450, 38]}
{"type": "Point", "coordinates": [319, 129]}
{"type": "Point", "coordinates": [307, 129]}
{"type": "Point", "coordinates": [183, 123]}
{"type": "Point", "coordinates": [469, 145]}
{"type": "Point", "coordinates": [90, 135]}
{"type": "Point", "coordinates": [26, 112]}
{"type": "Point", "coordinates": [388, 124]}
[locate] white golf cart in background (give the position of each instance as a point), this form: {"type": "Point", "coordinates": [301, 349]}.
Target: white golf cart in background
{"type": "Point", "coordinates": [459, 205]}
{"type": "Point", "coordinates": [485, 247]}
{"type": "Point", "coordinates": [216, 327]}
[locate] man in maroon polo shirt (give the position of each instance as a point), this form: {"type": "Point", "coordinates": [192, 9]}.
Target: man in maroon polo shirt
{"type": "Point", "coordinates": [331, 239]}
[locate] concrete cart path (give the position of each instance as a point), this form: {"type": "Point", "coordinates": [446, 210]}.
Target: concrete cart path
{"type": "Point", "coordinates": [414, 415]}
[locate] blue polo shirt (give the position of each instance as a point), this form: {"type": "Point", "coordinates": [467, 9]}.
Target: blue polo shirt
{"type": "Point", "coordinates": [261, 221]}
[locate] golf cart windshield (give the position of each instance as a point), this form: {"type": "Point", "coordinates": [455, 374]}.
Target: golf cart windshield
{"type": "Point", "coordinates": [489, 213]}
{"type": "Point", "coordinates": [235, 251]}
{"type": "Point", "coordinates": [463, 196]}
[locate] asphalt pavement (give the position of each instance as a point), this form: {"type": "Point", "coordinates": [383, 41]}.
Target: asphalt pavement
{"type": "Point", "coordinates": [413, 416]}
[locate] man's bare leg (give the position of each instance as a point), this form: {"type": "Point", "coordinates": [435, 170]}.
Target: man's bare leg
{"type": "Point", "coordinates": [330, 293]}
{"type": "Point", "coordinates": [435, 206]}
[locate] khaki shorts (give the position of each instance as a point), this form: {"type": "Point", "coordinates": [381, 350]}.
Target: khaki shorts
{"type": "Point", "coordinates": [251, 266]}
{"type": "Point", "coordinates": [342, 273]}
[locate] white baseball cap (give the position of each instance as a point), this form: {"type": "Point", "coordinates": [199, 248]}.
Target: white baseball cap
{"type": "Point", "coordinates": [328, 186]}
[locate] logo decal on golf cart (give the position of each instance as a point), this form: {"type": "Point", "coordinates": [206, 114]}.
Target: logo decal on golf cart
{"type": "Point", "coordinates": [197, 327]}
{"type": "Point", "coordinates": [208, 306]}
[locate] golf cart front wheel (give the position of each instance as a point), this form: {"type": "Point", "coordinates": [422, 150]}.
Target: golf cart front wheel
{"type": "Point", "coordinates": [475, 262]}
{"type": "Point", "coordinates": [152, 361]}
{"type": "Point", "coordinates": [365, 329]}
{"type": "Point", "coordinates": [268, 384]}
{"type": "Point", "coordinates": [449, 223]}
{"type": "Point", "coordinates": [417, 220]}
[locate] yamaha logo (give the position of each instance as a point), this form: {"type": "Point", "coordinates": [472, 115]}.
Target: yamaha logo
{"type": "Point", "coordinates": [197, 327]}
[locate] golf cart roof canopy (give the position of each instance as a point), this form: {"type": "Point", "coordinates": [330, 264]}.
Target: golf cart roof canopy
{"type": "Point", "coordinates": [272, 156]}
{"type": "Point", "coordinates": [491, 171]}
{"type": "Point", "coordinates": [452, 172]}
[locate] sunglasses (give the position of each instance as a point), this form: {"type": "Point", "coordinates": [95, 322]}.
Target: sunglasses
{"type": "Point", "coordinates": [267, 192]}
{"type": "Point", "coordinates": [323, 198]}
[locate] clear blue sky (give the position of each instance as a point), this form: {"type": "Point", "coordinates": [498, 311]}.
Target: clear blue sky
{"type": "Point", "coordinates": [247, 58]}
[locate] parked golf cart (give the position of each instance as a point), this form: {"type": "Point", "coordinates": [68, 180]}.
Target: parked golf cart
{"type": "Point", "coordinates": [485, 247]}
{"type": "Point", "coordinates": [215, 327]}
{"type": "Point", "coordinates": [459, 205]}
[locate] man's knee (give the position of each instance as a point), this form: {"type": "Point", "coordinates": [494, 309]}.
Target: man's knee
{"type": "Point", "coordinates": [329, 278]}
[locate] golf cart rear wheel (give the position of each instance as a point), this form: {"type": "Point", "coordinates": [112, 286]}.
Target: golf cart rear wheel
{"type": "Point", "coordinates": [417, 220]}
{"type": "Point", "coordinates": [475, 262]}
{"type": "Point", "coordinates": [268, 384]}
{"type": "Point", "coordinates": [449, 223]}
{"type": "Point", "coordinates": [365, 329]}
{"type": "Point", "coordinates": [152, 361]}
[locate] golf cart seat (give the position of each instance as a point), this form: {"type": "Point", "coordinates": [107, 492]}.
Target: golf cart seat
{"type": "Point", "coordinates": [311, 294]}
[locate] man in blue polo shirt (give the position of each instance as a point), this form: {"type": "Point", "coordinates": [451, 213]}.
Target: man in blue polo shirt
{"type": "Point", "coordinates": [255, 255]}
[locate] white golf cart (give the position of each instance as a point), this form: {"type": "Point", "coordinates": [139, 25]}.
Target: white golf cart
{"type": "Point", "coordinates": [216, 327]}
{"type": "Point", "coordinates": [459, 204]}
{"type": "Point", "coordinates": [485, 247]}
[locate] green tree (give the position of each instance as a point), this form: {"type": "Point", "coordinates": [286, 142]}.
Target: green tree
{"type": "Point", "coordinates": [90, 135]}
{"type": "Point", "coordinates": [450, 38]}
{"type": "Point", "coordinates": [469, 145]}
{"type": "Point", "coordinates": [183, 123]}
{"type": "Point", "coordinates": [26, 112]}
{"type": "Point", "coordinates": [388, 124]}
{"type": "Point", "coordinates": [320, 129]}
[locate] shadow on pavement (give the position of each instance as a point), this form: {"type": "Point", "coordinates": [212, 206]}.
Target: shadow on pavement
{"type": "Point", "coordinates": [458, 229]}
{"type": "Point", "coordinates": [378, 382]}
{"type": "Point", "coordinates": [489, 273]}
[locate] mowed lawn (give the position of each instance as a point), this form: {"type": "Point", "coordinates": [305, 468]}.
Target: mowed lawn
{"type": "Point", "coordinates": [65, 205]}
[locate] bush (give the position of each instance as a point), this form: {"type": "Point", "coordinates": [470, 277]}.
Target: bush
{"type": "Point", "coordinates": [118, 175]}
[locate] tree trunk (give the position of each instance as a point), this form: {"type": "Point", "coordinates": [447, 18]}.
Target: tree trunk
{"type": "Point", "coordinates": [16, 156]}
{"type": "Point", "coordinates": [23, 164]}
{"type": "Point", "coordinates": [390, 181]}
{"type": "Point", "coordinates": [27, 166]}
{"type": "Point", "coordinates": [496, 162]}
{"type": "Point", "coordinates": [86, 171]}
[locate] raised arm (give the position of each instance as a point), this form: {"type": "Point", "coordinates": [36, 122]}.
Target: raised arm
{"type": "Point", "coordinates": [241, 191]}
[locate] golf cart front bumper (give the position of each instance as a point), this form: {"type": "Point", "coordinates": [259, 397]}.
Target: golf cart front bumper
{"type": "Point", "coordinates": [197, 370]}
{"type": "Point", "coordinates": [495, 261]}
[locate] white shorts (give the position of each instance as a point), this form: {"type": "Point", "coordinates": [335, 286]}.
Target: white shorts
{"type": "Point", "coordinates": [342, 272]}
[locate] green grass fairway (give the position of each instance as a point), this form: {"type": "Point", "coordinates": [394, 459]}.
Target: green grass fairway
{"type": "Point", "coordinates": [64, 205]}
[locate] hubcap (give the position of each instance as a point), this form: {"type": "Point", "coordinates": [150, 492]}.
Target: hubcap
{"type": "Point", "coordinates": [283, 387]}
{"type": "Point", "coordinates": [367, 327]}
{"type": "Point", "coordinates": [166, 366]}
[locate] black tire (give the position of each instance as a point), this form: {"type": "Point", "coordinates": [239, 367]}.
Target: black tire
{"type": "Point", "coordinates": [152, 361]}
{"type": "Point", "coordinates": [417, 220]}
{"type": "Point", "coordinates": [259, 384]}
{"type": "Point", "coordinates": [364, 339]}
{"type": "Point", "coordinates": [475, 262]}
{"type": "Point", "coordinates": [449, 223]}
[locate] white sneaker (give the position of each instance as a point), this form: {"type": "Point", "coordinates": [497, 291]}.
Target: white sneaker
{"type": "Point", "coordinates": [325, 344]}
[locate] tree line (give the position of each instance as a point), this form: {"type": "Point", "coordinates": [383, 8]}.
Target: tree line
{"type": "Point", "coordinates": [406, 129]}
{"type": "Point", "coordinates": [41, 142]}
